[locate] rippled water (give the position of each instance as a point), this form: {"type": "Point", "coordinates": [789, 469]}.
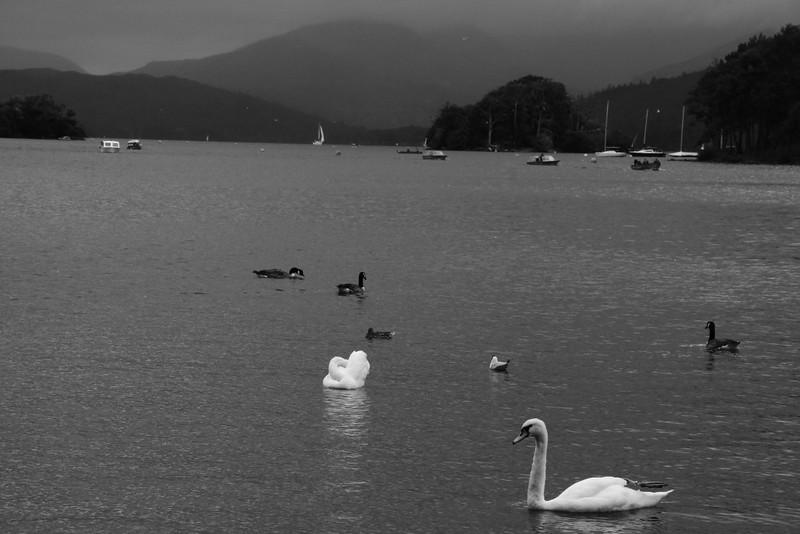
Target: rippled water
{"type": "Point", "coordinates": [149, 382]}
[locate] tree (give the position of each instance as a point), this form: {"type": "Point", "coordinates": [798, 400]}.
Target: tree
{"type": "Point", "coordinates": [38, 117]}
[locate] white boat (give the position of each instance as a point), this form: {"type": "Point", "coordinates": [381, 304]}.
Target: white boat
{"type": "Point", "coordinates": [680, 155]}
{"type": "Point", "coordinates": [434, 154]}
{"type": "Point", "coordinates": [647, 151]}
{"type": "Point", "coordinates": [320, 140]}
{"type": "Point", "coordinates": [543, 159]}
{"type": "Point", "coordinates": [107, 145]}
{"type": "Point", "coordinates": [608, 151]}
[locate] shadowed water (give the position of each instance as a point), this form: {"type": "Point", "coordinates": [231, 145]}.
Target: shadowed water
{"type": "Point", "coordinates": [149, 382]}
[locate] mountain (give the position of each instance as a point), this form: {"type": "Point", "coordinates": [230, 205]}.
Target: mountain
{"type": "Point", "coordinates": [137, 105]}
{"type": "Point", "coordinates": [373, 74]}
{"type": "Point", "coordinates": [18, 58]}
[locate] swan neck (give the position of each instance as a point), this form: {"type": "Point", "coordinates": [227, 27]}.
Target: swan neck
{"type": "Point", "coordinates": [538, 472]}
{"type": "Point", "coordinates": [711, 333]}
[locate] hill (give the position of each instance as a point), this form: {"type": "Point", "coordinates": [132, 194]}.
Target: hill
{"type": "Point", "coordinates": [372, 74]}
{"type": "Point", "coordinates": [136, 105]}
{"type": "Point", "coordinates": [18, 58]}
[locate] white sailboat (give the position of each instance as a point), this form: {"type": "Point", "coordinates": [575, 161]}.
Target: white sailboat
{"type": "Point", "coordinates": [647, 151]}
{"type": "Point", "coordinates": [608, 152]}
{"type": "Point", "coordinates": [680, 155]}
{"type": "Point", "coordinates": [320, 140]}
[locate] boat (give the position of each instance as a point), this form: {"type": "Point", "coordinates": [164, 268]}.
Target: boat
{"type": "Point", "coordinates": [645, 165]}
{"type": "Point", "coordinates": [609, 151]}
{"type": "Point", "coordinates": [134, 144]}
{"type": "Point", "coordinates": [409, 150]}
{"type": "Point", "coordinates": [647, 151]}
{"type": "Point", "coordinates": [543, 159]}
{"type": "Point", "coordinates": [434, 154]}
{"type": "Point", "coordinates": [320, 140]}
{"type": "Point", "coordinates": [680, 155]}
{"type": "Point", "coordinates": [108, 145]}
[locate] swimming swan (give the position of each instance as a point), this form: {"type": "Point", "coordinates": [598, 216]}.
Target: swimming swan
{"type": "Point", "coordinates": [353, 289]}
{"type": "Point", "coordinates": [294, 272]}
{"type": "Point", "coordinates": [350, 373]}
{"type": "Point", "coordinates": [497, 365]}
{"type": "Point", "coordinates": [719, 344]}
{"type": "Point", "coordinates": [596, 494]}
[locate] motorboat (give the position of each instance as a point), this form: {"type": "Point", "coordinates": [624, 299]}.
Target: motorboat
{"type": "Point", "coordinates": [134, 144]}
{"type": "Point", "coordinates": [108, 145]}
{"type": "Point", "coordinates": [543, 159]}
{"type": "Point", "coordinates": [647, 152]}
{"type": "Point", "coordinates": [645, 165]}
{"type": "Point", "coordinates": [434, 154]}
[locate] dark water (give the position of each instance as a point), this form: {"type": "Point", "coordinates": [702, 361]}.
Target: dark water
{"type": "Point", "coordinates": [149, 382]}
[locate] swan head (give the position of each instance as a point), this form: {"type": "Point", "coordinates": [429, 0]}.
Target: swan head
{"type": "Point", "coordinates": [710, 325]}
{"type": "Point", "coordinates": [531, 427]}
{"type": "Point", "coordinates": [296, 272]}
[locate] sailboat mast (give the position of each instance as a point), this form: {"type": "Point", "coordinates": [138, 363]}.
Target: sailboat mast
{"type": "Point", "coordinates": [683, 114]}
{"type": "Point", "coordinates": [646, 116]}
{"type": "Point", "coordinates": [605, 131]}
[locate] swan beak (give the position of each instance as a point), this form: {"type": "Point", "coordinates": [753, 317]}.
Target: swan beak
{"type": "Point", "coordinates": [522, 435]}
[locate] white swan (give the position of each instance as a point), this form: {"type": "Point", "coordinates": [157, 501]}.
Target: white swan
{"type": "Point", "coordinates": [497, 365]}
{"type": "Point", "coordinates": [350, 373]}
{"type": "Point", "coordinates": [596, 494]}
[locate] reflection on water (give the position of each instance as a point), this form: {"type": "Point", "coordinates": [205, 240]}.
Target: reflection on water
{"type": "Point", "coordinates": [645, 520]}
{"type": "Point", "coordinates": [345, 424]}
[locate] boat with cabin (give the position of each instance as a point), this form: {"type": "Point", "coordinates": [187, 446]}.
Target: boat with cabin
{"type": "Point", "coordinates": [108, 145]}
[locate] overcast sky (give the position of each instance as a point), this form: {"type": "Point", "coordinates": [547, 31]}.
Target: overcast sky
{"type": "Point", "coordinates": [115, 35]}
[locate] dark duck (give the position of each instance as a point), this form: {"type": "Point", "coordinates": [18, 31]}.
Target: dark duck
{"type": "Point", "coordinates": [379, 334]}
{"type": "Point", "coordinates": [713, 344]}
{"type": "Point", "coordinates": [294, 273]}
{"type": "Point", "coordinates": [353, 289]}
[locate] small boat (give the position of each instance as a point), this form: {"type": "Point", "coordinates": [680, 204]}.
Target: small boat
{"type": "Point", "coordinates": [134, 144]}
{"type": "Point", "coordinates": [434, 154]}
{"type": "Point", "coordinates": [320, 140]}
{"type": "Point", "coordinates": [409, 151]}
{"type": "Point", "coordinates": [680, 155]}
{"type": "Point", "coordinates": [644, 165]}
{"type": "Point", "coordinates": [647, 151]}
{"type": "Point", "coordinates": [543, 159]}
{"type": "Point", "coordinates": [379, 334]}
{"type": "Point", "coordinates": [107, 145]}
{"type": "Point", "coordinates": [609, 151]}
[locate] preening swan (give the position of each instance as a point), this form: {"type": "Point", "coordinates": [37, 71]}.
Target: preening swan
{"type": "Point", "coordinates": [714, 344]}
{"type": "Point", "coordinates": [348, 373]}
{"type": "Point", "coordinates": [294, 272]}
{"type": "Point", "coordinates": [379, 334]}
{"type": "Point", "coordinates": [596, 494]}
{"type": "Point", "coordinates": [497, 365]}
{"type": "Point", "coordinates": [353, 289]}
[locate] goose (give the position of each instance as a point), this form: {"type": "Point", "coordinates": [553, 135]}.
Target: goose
{"type": "Point", "coordinates": [379, 334]}
{"type": "Point", "coordinates": [591, 495]}
{"type": "Point", "coordinates": [497, 365]}
{"type": "Point", "coordinates": [294, 273]}
{"type": "Point", "coordinates": [715, 344]}
{"type": "Point", "coordinates": [353, 289]}
{"type": "Point", "coordinates": [347, 373]}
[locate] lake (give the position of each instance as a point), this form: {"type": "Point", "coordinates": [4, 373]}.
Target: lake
{"type": "Point", "coordinates": [150, 382]}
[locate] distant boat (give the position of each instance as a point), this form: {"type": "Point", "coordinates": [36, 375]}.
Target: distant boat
{"type": "Point", "coordinates": [647, 151]}
{"type": "Point", "coordinates": [645, 165]}
{"type": "Point", "coordinates": [409, 150]}
{"type": "Point", "coordinates": [107, 145]}
{"type": "Point", "coordinates": [434, 154]}
{"type": "Point", "coordinates": [320, 140]}
{"type": "Point", "coordinates": [680, 155]}
{"type": "Point", "coordinates": [134, 144]}
{"type": "Point", "coordinates": [608, 151]}
{"type": "Point", "coordinates": [543, 159]}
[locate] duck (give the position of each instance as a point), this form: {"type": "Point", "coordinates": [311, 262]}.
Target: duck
{"type": "Point", "coordinates": [379, 334]}
{"type": "Point", "coordinates": [497, 365]}
{"type": "Point", "coordinates": [714, 344]}
{"type": "Point", "coordinates": [353, 289]}
{"type": "Point", "coordinates": [294, 273]}
{"type": "Point", "coordinates": [591, 495]}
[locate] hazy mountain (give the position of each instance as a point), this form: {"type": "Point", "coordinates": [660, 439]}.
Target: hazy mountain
{"type": "Point", "coordinates": [18, 58]}
{"type": "Point", "coordinates": [137, 105]}
{"type": "Point", "coordinates": [367, 73]}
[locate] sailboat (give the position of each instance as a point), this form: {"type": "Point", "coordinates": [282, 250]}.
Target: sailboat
{"type": "Point", "coordinates": [646, 151]}
{"type": "Point", "coordinates": [608, 151]}
{"type": "Point", "coordinates": [320, 140]}
{"type": "Point", "coordinates": [680, 155]}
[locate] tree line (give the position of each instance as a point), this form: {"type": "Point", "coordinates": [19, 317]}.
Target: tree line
{"type": "Point", "coordinates": [38, 117]}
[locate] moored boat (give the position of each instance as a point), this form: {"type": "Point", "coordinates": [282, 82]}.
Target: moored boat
{"type": "Point", "coordinates": [108, 145]}
{"type": "Point", "coordinates": [434, 154]}
{"type": "Point", "coordinates": [543, 159]}
{"type": "Point", "coordinates": [680, 155]}
{"type": "Point", "coordinates": [134, 144]}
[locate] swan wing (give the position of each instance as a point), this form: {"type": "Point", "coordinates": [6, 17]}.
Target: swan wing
{"type": "Point", "coordinates": [603, 494]}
